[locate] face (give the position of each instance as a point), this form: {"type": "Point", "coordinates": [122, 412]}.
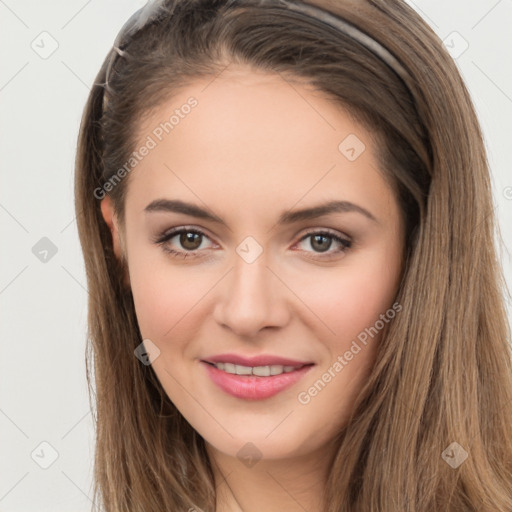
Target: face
{"type": "Point", "coordinates": [233, 259]}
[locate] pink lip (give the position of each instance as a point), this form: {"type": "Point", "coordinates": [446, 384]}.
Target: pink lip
{"type": "Point", "coordinates": [261, 360]}
{"type": "Point", "coordinates": [252, 387]}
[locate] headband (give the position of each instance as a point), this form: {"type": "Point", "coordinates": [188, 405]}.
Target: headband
{"type": "Point", "coordinates": [154, 9]}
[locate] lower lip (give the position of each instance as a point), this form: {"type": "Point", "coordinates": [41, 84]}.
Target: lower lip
{"type": "Point", "coordinates": [251, 387]}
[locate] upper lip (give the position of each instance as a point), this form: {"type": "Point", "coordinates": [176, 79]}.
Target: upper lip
{"type": "Point", "coordinates": [261, 360]}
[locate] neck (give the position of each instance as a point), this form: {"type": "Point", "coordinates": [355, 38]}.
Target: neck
{"type": "Point", "coordinates": [284, 485]}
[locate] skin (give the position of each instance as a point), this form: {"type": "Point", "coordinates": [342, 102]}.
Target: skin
{"type": "Point", "coordinates": [255, 146]}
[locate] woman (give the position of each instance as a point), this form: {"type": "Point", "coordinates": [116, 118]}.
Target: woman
{"type": "Point", "coordinates": [287, 224]}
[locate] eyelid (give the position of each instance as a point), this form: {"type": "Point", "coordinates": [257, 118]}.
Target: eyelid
{"type": "Point", "coordinates": [192, 228]}
{"type": "Point", "coordinates": [169, 233]}
{"type": "Point", "coordinates": [329, 231]}
{"type": "Point", "coordinates": [343, 239]}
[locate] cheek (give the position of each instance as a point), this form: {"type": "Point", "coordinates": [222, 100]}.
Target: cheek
{"type": "Point", "coordinates": [173, 303]}
{"type": "Point", "coordinates": [350, 298]}
{"type": "Point", "coordinates": [153, 300]}
{"type": "Point", "coordinates": [166, 298]}
{"type": "Point", "coordinates": [352, 305]}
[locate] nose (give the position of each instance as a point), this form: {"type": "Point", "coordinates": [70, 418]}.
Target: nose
{"type": "Point", "coordinates": [252, 297]}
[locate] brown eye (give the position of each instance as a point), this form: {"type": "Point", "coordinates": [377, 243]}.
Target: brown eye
{"type": "Point", "coordinates": [183, 242]}
{"type": "Point", "coordinates": [189, 240]}
{"type": "Point", "coordinates": [322, 241]}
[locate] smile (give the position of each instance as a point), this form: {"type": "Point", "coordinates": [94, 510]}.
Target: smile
{"type": "Point", "coordinates": [260, 371]}
{"type": "Point", "coordinates": [254, 382]}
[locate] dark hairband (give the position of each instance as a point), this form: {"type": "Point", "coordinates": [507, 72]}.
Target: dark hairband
{"type": "Point", "coordinates": [153, 9]}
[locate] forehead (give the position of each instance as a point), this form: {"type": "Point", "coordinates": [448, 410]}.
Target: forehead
{"type": "Point", "coordinates": [254, 136]}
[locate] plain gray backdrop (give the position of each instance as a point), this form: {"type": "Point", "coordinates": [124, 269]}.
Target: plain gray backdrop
{"type": "Point", "coordinates": [50, 54]}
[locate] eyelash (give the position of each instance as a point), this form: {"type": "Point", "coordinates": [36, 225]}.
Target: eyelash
{"type": "Point", "coordinates": [166, 236]}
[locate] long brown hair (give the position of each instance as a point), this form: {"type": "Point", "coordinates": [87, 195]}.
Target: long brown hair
{"type": "Point", "coordinates": [443, 374]}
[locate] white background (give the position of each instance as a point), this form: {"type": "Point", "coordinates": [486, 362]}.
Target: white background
{"type": "Point", "coordinates": [43, 394]}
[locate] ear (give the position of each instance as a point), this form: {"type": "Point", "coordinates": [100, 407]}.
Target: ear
{"type": "Point", "coordinates": [110, 217]}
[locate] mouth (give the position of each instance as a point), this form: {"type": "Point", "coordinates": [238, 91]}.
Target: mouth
{"type": "Point", "coordinates": [254, 382]}
{"type": "Point", "coordinates": [259, 371]}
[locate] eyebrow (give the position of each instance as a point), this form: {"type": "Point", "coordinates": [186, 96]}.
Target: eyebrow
{"type": "Point", "coordinates": [289, 217]}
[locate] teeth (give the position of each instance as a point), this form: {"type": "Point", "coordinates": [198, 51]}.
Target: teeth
{"type": "Point", "coordinates": [260, 371]}
{"type": "Point", "coordinates": [243, 370]}
{"type": "Point", "coordinates": [276, 369]}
